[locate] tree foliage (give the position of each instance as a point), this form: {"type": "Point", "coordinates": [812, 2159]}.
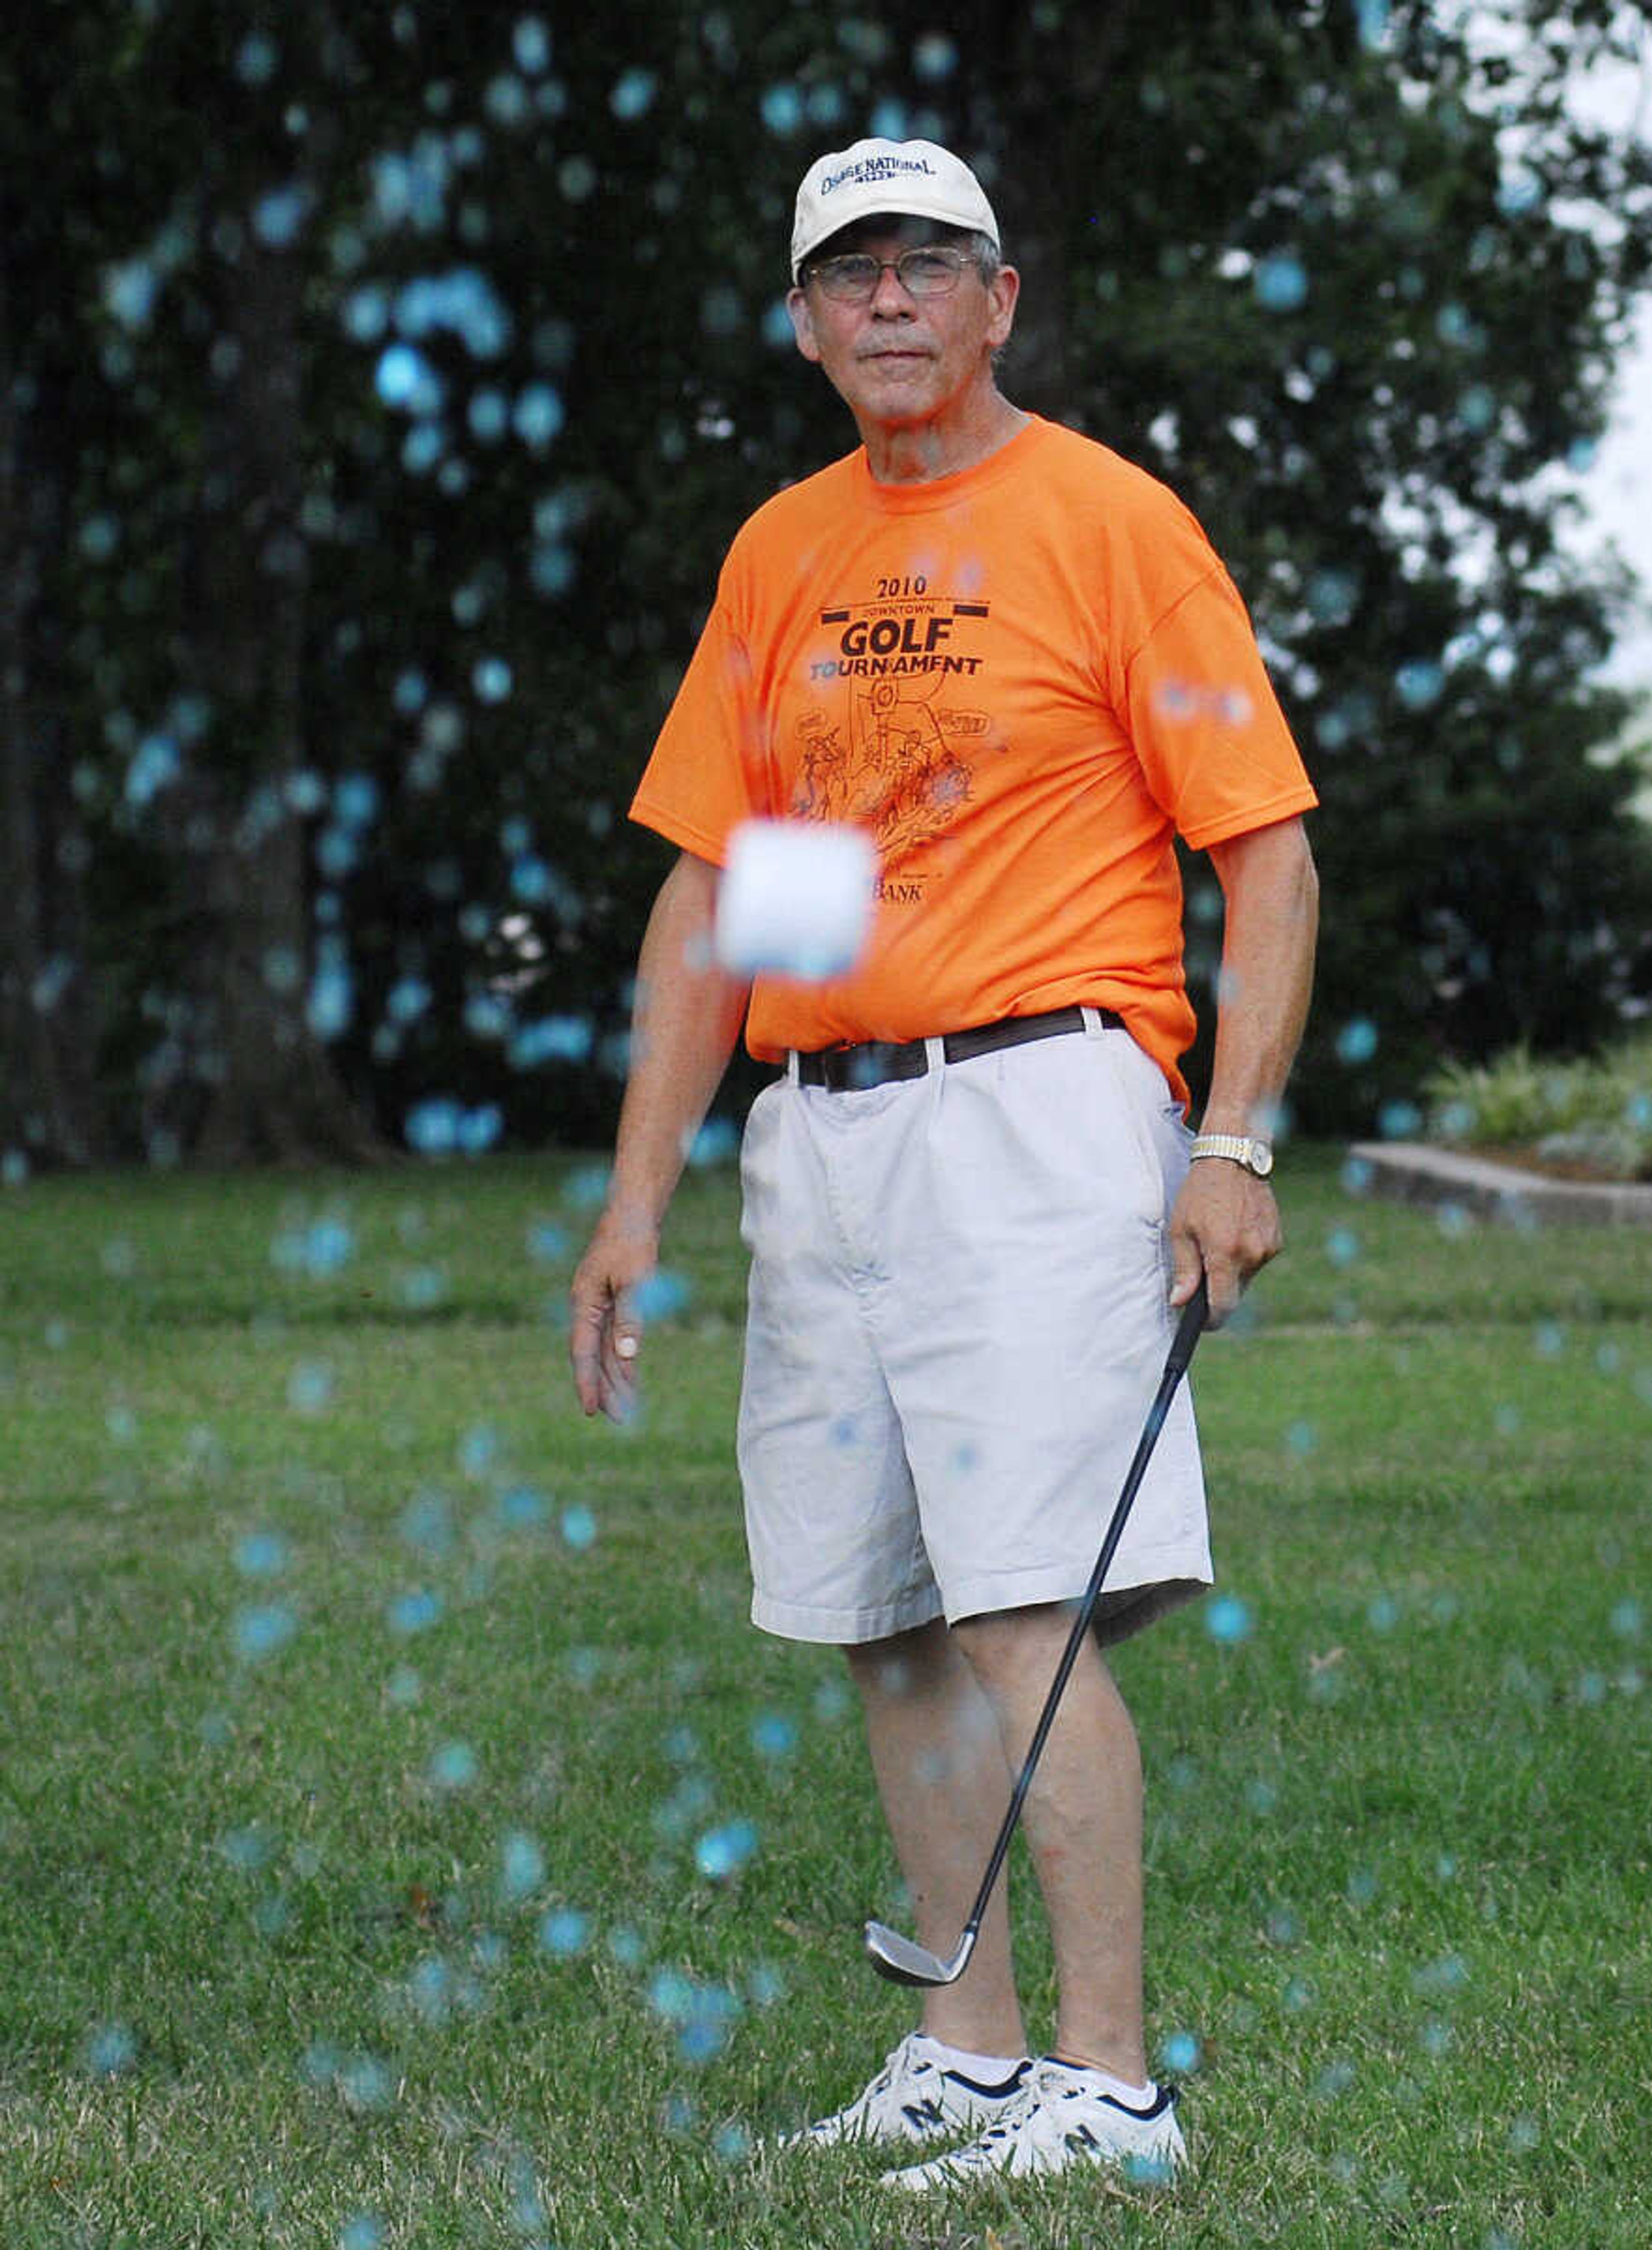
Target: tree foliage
{"type": "Point", "coordinates": [379, 389]}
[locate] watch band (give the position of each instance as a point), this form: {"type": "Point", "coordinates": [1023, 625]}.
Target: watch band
{"type": "Point", "coordinates": [1238, 1147]}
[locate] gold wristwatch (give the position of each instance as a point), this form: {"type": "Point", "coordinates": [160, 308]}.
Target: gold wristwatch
{"type": "Point", "coordinates": [1239, 1149]}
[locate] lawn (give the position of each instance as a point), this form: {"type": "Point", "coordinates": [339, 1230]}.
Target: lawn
{"type": "Point", "coordinates": [405, 1840]}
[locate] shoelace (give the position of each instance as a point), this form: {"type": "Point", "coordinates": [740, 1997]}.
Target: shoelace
{"type": "Point", "coordinates": [915, 2067]}
{"type": "Point", "coordinates": [1007, 2129]}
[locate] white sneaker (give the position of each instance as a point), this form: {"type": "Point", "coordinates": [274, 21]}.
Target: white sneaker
{"type": "Point", "coordinates": [1063, 2118]}
{"type": "Point", "coordinates": [915, 2098]}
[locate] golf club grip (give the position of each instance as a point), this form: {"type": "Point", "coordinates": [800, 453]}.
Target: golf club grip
{"type": "Point", "coordinates": [1188, 1330]}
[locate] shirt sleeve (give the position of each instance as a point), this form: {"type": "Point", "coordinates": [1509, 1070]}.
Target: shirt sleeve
{"type": "Point", "coordinates": [1213, 744]}
{"type": "Point", "coordinates": [710, 767]}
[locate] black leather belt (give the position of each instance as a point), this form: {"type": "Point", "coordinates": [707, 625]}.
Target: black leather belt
{"type": "Point", "coordinates": [874, 1062]}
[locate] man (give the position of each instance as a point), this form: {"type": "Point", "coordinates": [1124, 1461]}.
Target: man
{"type": "Point", "coordinates": [971, 1202]}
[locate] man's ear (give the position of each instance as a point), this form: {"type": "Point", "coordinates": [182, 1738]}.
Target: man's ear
{"type": "Point", "coordinates": [803, 324]}
{"type": "Point", "coordinates": [1002, 292]}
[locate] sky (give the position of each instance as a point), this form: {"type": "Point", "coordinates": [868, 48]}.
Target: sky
{"type": "Point", "coordinates": [1618, 487]}
{"type": "Point", "coordinates": [1618, 490]}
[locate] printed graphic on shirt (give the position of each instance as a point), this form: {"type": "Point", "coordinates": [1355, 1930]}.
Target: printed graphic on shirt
{"type": "Point", "coordinates": [890, 752]}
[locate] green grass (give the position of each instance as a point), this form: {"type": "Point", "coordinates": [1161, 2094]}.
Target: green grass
{"type": "Point", "coordinates": [279, 1945]}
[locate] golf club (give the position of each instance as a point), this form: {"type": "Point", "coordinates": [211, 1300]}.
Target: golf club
{"type": "Point", "coordinates": [902, 1959]}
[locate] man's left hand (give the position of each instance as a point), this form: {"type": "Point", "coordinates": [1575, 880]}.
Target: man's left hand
{"type": "Point", "coordinates": [1225, 1226]}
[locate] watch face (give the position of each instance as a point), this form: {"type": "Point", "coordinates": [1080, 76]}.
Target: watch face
{"type": "Point", "coordinates": [1260, 1159]}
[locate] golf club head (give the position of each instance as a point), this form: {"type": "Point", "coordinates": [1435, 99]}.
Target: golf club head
{"type": "Point", "coordinates": [904, 1962]}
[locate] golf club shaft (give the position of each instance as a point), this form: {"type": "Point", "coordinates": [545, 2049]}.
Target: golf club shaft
{"type": "Point", "coordinates": [1187, 1333]}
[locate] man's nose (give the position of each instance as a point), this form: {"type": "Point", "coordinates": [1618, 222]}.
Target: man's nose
{"type": "Point", "coordinates": [891, 294]}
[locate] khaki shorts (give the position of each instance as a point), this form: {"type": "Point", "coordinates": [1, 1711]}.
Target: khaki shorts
{"type": "Point", "coordinates": [958, 1318]}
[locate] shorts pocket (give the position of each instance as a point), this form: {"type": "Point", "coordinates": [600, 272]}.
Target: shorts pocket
{"type": "Point", "coordinates": [1128, 1124]}
{"type": "Point", "coordinates": [759, 1162]}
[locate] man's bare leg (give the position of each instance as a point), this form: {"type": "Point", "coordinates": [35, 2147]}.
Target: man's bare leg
{"type": "Point", "coordinates": [937, 1755]}
{"type": "Point", "coordinates": [1083, 1819]}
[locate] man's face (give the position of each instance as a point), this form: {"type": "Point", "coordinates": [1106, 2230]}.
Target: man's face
{"type": "Point", "coordinates": [899, 360]}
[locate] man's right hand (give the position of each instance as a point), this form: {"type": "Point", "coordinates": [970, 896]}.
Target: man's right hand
{"type": "Point", "coordinates": [688, 1018]}
{"type": "Point", "coordinates": [605, 1332]}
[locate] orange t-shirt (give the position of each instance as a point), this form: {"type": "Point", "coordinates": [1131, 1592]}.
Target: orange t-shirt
{"type": "Point", "coordinates": [1020, 680]}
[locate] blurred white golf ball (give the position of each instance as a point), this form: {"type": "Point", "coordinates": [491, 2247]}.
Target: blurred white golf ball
{"type": "Point", "coordinates": [796, 899]}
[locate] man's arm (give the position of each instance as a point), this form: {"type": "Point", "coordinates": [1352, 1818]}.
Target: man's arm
{"type": "Point", "coordinates": [1225, 1223]}
{"type": "Point", "coordinates": [687, 1015]}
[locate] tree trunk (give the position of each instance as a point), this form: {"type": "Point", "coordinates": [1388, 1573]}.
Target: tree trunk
{"type": "Point", "coordinates": [1044, 151]}
{"type": "Point", "coordinates": [273, 1092]}
{"type": "Point", "coordinates": [49, 1108]}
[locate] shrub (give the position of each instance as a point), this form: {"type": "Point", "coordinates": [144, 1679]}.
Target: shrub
{"type": "Point", "coordinates": [1594, 1113]}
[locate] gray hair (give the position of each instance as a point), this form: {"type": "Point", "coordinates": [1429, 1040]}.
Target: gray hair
{"type": "Point", "coordinates": [986, 254]}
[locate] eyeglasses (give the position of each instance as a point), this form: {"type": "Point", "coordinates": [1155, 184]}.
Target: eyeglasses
{"type": "Point", "coordinates": [926, 272]}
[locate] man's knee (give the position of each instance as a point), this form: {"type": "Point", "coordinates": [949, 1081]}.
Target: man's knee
{"type": "Point", "coordinates": [1001, 1643]}
{"type": "Point", "coordinates": [1014, 1655]}
{"type": "Point", "coordinates": [904, 1664]}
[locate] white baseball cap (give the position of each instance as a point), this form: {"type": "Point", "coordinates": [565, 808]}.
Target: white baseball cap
{"type": "Point", "coordinates": [908, 179]}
